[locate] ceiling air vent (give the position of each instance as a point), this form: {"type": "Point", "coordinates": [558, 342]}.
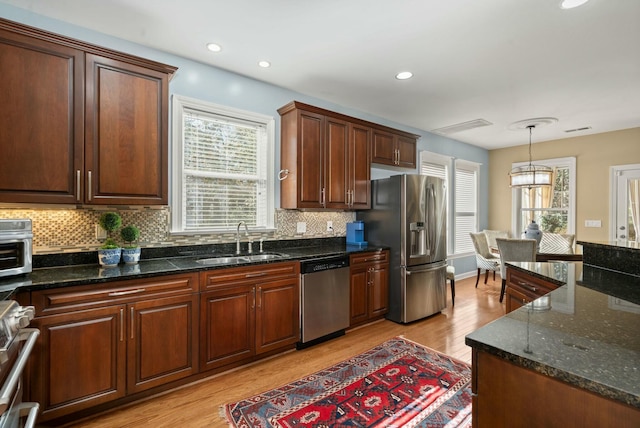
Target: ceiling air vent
{"type": "Point", "coordinates": [459, 127]}
{"type": "Point", "coordinates": [584, 128]}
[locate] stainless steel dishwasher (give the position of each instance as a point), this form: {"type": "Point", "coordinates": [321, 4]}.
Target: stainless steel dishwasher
{"type": "Point", "coordinates": [324, 299]}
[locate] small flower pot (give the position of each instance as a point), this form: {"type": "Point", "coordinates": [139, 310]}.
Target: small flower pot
{"type": "Point", "coordinates": [109, 257]}
{"type": "Point", "coordinates": [131, 256]}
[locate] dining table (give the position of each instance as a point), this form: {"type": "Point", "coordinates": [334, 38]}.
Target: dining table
{"type": "Point", "coordinates": [566, 256]}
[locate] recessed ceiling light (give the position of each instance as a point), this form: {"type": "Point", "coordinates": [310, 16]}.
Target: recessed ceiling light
{"type": "Point", "coordinates": [404, 75]}
{"type": "Point", "coordinates": [213, 47]}
{"type": "Point", "coordinates": [264, 64]}
{"type": "Point", "coordinates": [570, 4]}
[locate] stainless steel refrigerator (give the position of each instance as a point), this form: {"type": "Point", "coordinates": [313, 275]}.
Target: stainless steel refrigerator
{"type": "Point", "coordinates": [408, 214]}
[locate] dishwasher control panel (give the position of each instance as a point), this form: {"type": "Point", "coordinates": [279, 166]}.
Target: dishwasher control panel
{"type": "Point", "coordinates": [328, 263]}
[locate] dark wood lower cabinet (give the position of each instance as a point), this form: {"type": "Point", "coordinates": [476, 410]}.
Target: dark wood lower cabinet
{"type": "Point", "coordinates": [507, 395]}
{"type": "Point", "coordinates": [523, 288]}
{"type": "Point", "coordinates": [369, 286]}
{"type": "Point", "coordinates": [162, 341]}
{"type": "Point", "coordinates": [248, 311]}
{"type": "Point", "coordinates": [132, 336]}
{"type": "Point", "coordinates": [79, 361]}
{"type": "Point", "coordinates": [105, 344]}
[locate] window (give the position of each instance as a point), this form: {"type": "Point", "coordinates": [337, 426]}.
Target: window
{"type": "Point", "coordinates": [466, 214]}
{"type": "Point", "coordinates": [553, 208]}
{"type": "Point", "coordinates": [462, 214]}
{"type": "Point", "coordinates": [223, 168]}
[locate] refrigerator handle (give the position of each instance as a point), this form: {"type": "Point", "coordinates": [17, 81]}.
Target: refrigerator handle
{"type": "Point", "coordinates": [431, 217]}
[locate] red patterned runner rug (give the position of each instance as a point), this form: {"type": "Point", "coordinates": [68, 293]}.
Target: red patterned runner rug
{"type": "Point", "coordinates": [399, 383]}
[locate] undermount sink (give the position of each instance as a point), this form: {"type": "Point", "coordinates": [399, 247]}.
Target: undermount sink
{"type": "Point", "coordinates": [228, 260]}
{"type": "Point", "coordinates": [266, 256]}
{"type": "Point", "coordinates": [223, 260]}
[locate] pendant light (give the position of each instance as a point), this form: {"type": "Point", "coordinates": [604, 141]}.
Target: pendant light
{"type": "Point", "coordinates": [530, 175]}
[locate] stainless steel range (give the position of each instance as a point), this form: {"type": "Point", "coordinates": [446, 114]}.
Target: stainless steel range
{"type": "Point", "coordinates": [16, 344]}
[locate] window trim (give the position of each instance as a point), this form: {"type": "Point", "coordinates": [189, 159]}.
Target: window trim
{"type": "Point", "coordinates": [516, 194]}
{"type": "Point", "coordinates": [181, 103]}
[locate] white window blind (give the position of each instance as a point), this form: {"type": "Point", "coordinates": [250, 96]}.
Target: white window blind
{"type": "Point", "coordinates": [434, 170]}
{"type": "Point", "coordinates": [466, 205]}
{"type": "Point", "coordinates": [225, 169]}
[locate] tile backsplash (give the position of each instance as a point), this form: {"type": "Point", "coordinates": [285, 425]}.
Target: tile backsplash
{"type": "Point", "coordinates": [74, 230]}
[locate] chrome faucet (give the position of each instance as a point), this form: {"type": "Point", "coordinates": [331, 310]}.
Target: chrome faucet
{"type": "Point", "coordinates": [246, 233]}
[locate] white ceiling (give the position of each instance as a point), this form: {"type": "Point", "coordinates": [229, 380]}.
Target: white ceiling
{"type": "Point", "coordinates": [498, 60]}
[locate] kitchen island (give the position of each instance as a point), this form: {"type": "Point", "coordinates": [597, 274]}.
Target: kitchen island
{"type": "Point", "coordinates": [570, 358]}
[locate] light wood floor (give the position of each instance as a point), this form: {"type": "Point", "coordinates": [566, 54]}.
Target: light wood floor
{"type": "Point", "coordinates": [197, 405]}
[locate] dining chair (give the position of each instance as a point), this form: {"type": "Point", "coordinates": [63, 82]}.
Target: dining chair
{"type": "Point", "coordinates": [514, 250]}
{"type": "Point", "coordinates": [484, 258]}
{"type": "Point", "coordinates": [556, 243]}
{"type": "Point", "coordinates": [493, 234]}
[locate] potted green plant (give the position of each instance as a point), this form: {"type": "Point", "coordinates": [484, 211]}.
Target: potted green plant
{"type": "Point", "coordinates": [131, 251]}
{"type": "Point", "coordinates": [109, 252]}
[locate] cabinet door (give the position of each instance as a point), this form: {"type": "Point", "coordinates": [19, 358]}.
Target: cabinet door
{"type": "Point", "coordinates": [360, 166]}
{"type": "Point", "coordinates": [41, 147]}
{"type": "Point", "coordinates": [80, 360]}
{"type": "Point", "coordinates": [406, 151]}
{"type": "Point", "coordinates": [359, 286]}
{"type": "Point", "coordinates": [310, 160]}
{"type": "Point", "coordinates": [515, 299]}
{"type": "Point", "coordinates": [227, 325]}
{"type": "Point", "coordinates": [163, 341]}
{"type": "Point", "coordinates": [126, 133]}
{"type": "Point", "coordinates": [378, 290]}
{"type": "Point", "coordinates": [277, 314]}
{"type": "Point", "coordinates": [383, 148]}
{"type": "Point", "coordinates": [337, 178]}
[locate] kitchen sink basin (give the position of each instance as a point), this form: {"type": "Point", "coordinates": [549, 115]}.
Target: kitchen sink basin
{"type": "Point", "coordinates": [266, 256]}
{"type": "Point", "coordinates": [229, 260]}
{"type": "Point", "coordinates": [223, 260]}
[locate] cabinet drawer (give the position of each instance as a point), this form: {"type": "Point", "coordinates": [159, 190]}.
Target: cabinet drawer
{"type": "Point", "coordinates": [528, 284]}
{"type": "Point", "coordinates": [381, 256]}
{"type": "Point", "coordinates": [215, 278]}
{"type": "Point", "coordinates": [66, 299]}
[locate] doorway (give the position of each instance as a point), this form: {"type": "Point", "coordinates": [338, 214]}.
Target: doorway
{"type": "Point", "coordinates": [625, 203]}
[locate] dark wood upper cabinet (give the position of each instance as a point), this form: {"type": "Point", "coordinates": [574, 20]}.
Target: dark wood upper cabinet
{"type": "Point", "coordinates": [326, 157]}
{"type": "Point", "coordinates": [80, 124]}
{"type": "Point", "coordinates": [394, 149]}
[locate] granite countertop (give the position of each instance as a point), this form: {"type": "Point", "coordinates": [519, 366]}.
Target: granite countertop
{"type": "Point", "coordinates": [589, 336]}
{"type": "Point", "coordinates": [166, 261]}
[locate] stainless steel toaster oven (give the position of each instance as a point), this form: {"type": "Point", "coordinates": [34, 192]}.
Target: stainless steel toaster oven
{"type": "Point", "coordinates": [16, 241]}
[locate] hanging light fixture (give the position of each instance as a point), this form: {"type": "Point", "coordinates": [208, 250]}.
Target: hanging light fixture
{"type": "Point", "coordinates": [530, 175]}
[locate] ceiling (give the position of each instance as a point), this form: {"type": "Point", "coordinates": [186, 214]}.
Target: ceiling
{"type": "Point", "coordinates": [498, 60]}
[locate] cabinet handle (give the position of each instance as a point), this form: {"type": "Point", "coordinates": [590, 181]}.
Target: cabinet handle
{"type": "Point", "coordinates": [125, 293]}
{"type": "Point", "coordinates": [397, 157]}
{"type": "Point", "coordinates": [254, 275]}
{"type": "Point", "coordinates": [527, 286]}
{"type": "Point", "coordinates": [283, 174]}
{"type": "Point", "coordinates": [253, 304]}
{"type": "Point", "coordinates": [78, 185]}
{"type": "Point", "coordinates": [121, 324]}
{"type": "Point", "coordinates": [322, 200]}
{"type": "Point", "coordinates": [89, 185]}
{"type": "Point", "coordinates": [132, 321]}
{"type": "Point", "coordinates": [259, 297]}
